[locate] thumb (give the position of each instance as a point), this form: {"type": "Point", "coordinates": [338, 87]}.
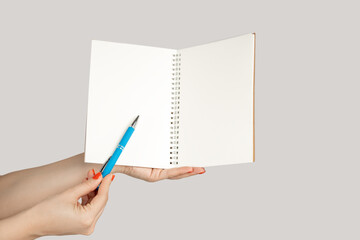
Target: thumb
{"type": "Point", "coordinates": [87, 186]}
{"type": "Point", "coordinates": [99, 201]}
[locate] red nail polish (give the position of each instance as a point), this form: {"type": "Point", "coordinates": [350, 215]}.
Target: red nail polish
{"type": "Point", "coordinates": [93, 172]}
{"type": "Point", "coordinates": [112, 178]}
{"type": "Point", "coordinates": [97, 175]}
{"type": "Point", "coordinates": [87, 179]}
{"type": "Point", "coordinates": [202, 172]}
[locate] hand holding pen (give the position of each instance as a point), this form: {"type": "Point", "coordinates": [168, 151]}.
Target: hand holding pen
{"type": "Point", "coordinates": [45, 199]}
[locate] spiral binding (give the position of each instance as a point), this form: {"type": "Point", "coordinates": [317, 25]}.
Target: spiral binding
{"type": "Point", "coordinates": [175, 110]}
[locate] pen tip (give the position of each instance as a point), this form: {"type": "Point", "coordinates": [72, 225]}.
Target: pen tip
{"type": "Point", "coordinates": [135, 121]}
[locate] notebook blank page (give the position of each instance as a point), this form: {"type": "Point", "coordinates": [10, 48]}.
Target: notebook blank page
{"type": "Point", "coordinates": [126, 81]}
{"type": "Point", "coordinates": [216, 106]}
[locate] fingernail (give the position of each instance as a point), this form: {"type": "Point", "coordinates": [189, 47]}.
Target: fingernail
{"type": "Point", "coordinates": [112, 178]}
{"type": "Point", "coordinates": [87, 179]}
{"type": "Point", "coordinates": [202, 172]}
{"type": "Point", "coordinates": [97, 175]}
{"type": "Point", "coordinates": [93, 172]}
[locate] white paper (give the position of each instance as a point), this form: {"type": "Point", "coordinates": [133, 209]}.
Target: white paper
{"type": "Point", "coordinates": [126, 81]}
{"type": "Point", "coordinates": [216, 106]}
{"type": "Point", "coordinates": [216, 103]}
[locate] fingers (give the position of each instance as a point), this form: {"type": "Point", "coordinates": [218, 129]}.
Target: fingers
{"type": "Point", "coordinates": [182, 172]}
{"type": "Point", "coordinates": [87, 198]}
{"type": "Point", "coordinates": [95, 221]}
{"type": "Point", "coordinates": [99, 201]}
{"type": "Point", "coordinates": [174, 172]}
{"type": "Point", "coordinates": [197, 170]}
{"type": "Point", "coordinates": [90, 174]}
{"type": "Point", "coordinates": [98, 216]}
{"type": "Point", "coordinates": [84, 200]}
{"type": "Point", "coordinates": [87, 186]}
{"type": "Point", "coordinates": [105, 185]}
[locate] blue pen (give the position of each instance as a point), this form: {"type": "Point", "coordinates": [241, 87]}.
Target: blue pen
{"type": "Point", "coordinates": [110, 163]}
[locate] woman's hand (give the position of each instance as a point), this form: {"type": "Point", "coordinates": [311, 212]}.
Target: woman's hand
{"type": "Point", "coordinates": [63, 214]}
{"type": "Point", "coordinates": [156, 174]}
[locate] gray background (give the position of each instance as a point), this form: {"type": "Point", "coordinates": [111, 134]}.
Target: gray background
{"type": "Point", "coordinates": [304, 184]}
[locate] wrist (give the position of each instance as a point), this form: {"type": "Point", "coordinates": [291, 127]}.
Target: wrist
{"type": "Point", "coordinates": [34, 224]}
{"type": "Point", "coordinates": [20, 226]}
{"type": "Point", "coordinates": [121, 169]}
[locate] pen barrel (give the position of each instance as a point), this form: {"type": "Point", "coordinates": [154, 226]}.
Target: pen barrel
{"type": "Point", "coordinates": [109, 166]}
{"type": "Point", "coordinates": [126, 137]}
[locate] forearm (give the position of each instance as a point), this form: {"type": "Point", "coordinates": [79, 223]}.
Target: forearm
{"type": "Point", "coordinates": [23, 189]}
{"type": "Point", "coordinates": [22, 226]}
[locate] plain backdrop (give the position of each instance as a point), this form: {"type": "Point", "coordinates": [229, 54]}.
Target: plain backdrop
{"type": "Point", "coordinates": [304, 183]}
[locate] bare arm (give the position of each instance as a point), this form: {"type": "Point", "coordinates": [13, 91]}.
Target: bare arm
{"type": "Point", "coordinates": [61, 214]}
{"type": "Point", "coordinates": [23, 189]}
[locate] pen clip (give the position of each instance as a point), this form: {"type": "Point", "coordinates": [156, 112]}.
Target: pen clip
{"type": "Point", "coordinates": [101, 170]}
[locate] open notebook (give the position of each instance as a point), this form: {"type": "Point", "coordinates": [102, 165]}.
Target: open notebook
{"type": "Point", "coordinates": [196, 105]}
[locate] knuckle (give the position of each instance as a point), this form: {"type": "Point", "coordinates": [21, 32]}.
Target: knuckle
{"type": "Point", "coordinates": [89, 231]}
{"type": "Point", "coordinates": [86, 222]}
{"type": "Point", "coordinates": [88, 183]}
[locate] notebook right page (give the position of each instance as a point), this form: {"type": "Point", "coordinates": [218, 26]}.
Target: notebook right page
{"type": "Point", "coordinates": [216, 103]}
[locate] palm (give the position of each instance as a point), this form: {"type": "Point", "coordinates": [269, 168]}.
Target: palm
{"type": "Point", "coordinates": [156, 174]}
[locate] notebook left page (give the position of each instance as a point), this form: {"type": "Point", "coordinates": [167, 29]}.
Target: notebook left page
{"type": "Point", "coordinates": [125, 81]}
